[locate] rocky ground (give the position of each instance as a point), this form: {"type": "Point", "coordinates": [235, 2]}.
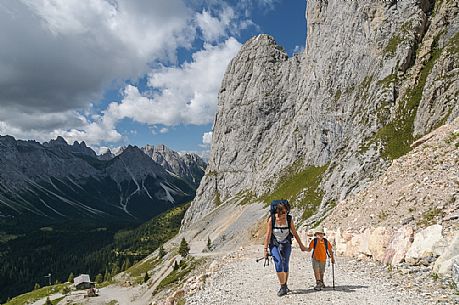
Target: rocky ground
{"type": "Point", "coordinates": [238, 279]}
{"type": "Point", "coordinates": [420, 188]}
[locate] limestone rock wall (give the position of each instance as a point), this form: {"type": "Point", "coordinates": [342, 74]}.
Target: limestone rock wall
{"type": "Point", "coordinates": [373, 77]}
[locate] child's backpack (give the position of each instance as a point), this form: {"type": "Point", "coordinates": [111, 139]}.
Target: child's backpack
{"type": "Point", "coordinates": [272, 212]}
{"type": "Point", "coordinates": [325, 244]}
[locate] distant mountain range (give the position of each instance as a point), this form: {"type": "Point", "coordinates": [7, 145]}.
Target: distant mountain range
{"type": "Point", "coordinates": [55, 181]}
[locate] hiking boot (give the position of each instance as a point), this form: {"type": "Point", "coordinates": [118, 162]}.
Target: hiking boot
{"type": "Point", "coordinates": [282, 291]}
{"type": "Point", "coordinates": [286, 289]}
{"type": "Point", "coordinates": [322, 284]}
{"type": "Point", "coordinates": [318, 285]}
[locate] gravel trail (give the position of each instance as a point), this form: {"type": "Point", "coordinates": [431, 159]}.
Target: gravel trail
{"type": "Point", "coordinates": [238, 279]}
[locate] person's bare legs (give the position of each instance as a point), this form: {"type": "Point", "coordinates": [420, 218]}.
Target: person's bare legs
{"type": "Point", "coordinates": [286, 278]}
{"type": "Point", "coordinates": [317, 275]}
{"type": "Point", "coordinates": [282, 276]}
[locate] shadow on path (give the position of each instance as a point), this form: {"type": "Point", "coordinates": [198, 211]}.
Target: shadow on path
{"type": "Point", "coordinates": [343, 288]}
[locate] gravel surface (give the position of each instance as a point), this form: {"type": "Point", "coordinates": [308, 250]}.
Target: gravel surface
{"type": "Point", "coordinates": [239, 279]}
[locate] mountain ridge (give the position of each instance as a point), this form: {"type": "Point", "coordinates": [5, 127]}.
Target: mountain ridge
{"type": "Point", "coordinates": [53, 178]}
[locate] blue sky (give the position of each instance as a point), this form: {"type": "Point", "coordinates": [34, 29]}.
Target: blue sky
{"type": "Point", "coordinates": [114, 73]}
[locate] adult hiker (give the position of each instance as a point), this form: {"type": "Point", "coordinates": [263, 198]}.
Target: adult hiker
{"type": "Point", "coordinates": [321, 249]}
{"type": "Point", "coordinates": [278, 239]}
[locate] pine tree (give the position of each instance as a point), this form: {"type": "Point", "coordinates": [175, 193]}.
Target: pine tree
{"type": "Point", "coordinates": [99, 278]}
{"type": "Point", "coordinates": [146, 277]}
{"type": "Point", "coordinates": [37, 286]}
{"type": "Point", "coordinates": [126, 264]}
{"type": "Point", "coordinates": [209, 243]}
{"type": "Point", "coordinates": [176, 265]}
{"type": "Point", "coordinates": [48, 301]}
{"type": "Point", "coordinates": [161, 252]}
{"type": "Point", "coordinates": [107, 276]}
{"type": "Point", "coordinates": [115, 269]}
{"type": "Point", "coordinates": [184, 249]}
{"type": "Point", "coordinates": [70, 278]}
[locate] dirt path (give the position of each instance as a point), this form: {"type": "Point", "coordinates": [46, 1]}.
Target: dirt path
{"type": "Point", "coordinates": [240, 280]}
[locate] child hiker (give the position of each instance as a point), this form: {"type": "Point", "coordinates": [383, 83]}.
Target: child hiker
{"type": "Point", "coordinates": [279, 232]}
{"type": "Point", "coordinates": [321, 248]}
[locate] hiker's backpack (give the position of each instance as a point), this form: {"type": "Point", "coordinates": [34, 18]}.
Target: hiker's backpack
{"type": "Point", "coordinates": [272, 212]}
{"type": "Point", "coordinates": [325, 244]}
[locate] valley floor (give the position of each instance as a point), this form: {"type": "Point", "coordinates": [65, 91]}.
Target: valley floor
{"type": "Point", "coordinates": [238, 279]}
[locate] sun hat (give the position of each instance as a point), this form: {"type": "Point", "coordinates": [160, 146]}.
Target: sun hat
{"type": "Point", "coordinates": [319, 230]}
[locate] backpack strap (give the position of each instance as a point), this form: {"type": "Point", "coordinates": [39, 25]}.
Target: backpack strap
{"type": "Point", "coordinates": [326, 247]}
{"type": "Point", "coordinates": [273, 240]}
{"type": "Point", "coordinates": [289, 224]}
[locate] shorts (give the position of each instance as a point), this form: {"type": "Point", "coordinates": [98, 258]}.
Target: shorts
{"type": "Point", "coordinates": [281, 261]}
{"type": "Point", "coordinates": [318, 265]}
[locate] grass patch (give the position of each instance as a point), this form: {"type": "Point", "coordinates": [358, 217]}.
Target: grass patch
{"type": "Point", "coordinates": [35, 295]}
{"type": "Point", "coordinates": [177, 275]}
{"type": "Point", "coordinates": [392, 45]}
{"type": "Point", "coordinates": [453, 44]}
{"type": "Point", "coordinates": [338, 94]}
{"type": "Point", "coordinates": [382, 215]}
{"type": "Point", "coordinates": [452, 137]}
{"type": "Point", "coordinates": [429, 217]}
{"type": "Point", "coordinates": [217, 199]}
{"type": "Point", "coordinates": [246, 197]}
{"type": "Point", "coordinates": [140, 268]}
{"type": "Point", "coordinates": [388, 81]}
{"type": "Point", "coordinates": [300, 186]}
{"type": "Point", "coordinates": [437, 6]}
{"type": "Point", "coordinates": [397, 135]}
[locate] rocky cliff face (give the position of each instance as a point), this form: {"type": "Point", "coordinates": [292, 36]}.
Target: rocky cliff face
{"type": "Point", "coordinates": [56, 181]}
{"type": "Point", "coordinates": [187, 166]}
{"type": "Point", "coordinates": [374, 77]}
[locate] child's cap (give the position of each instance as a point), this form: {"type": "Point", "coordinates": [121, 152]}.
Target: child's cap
{"type": "Point", "coordinates": [319, 230]}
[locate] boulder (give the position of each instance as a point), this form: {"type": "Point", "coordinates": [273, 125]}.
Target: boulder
{"type": "Point", "coordinates": [398, 246]}
{"type": "Point", "coordinates": [424, 243]}
{"type": "Point", "coordinates": [378, 241]}
{"type": "Point", "coordinates": [444, 263]}
{"type": "Point", "coordinates": [364, 242]}
{"type": "Point", "coordinates": [341, 242]}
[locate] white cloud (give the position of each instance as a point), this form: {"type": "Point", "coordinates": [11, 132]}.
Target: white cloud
{"type": "Point", "coordinates": [186, 94]}
{"type": "Point", "coordinates": [213, 28]}
{"type": "Point", "coordinates": [298, 49]}
{"type": "Point", "coordinates": [68, 52]}
{"type": "Point", "coordinates": [207, 138]}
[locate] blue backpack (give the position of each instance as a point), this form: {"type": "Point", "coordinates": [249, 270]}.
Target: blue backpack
{"type": "Point", "coordinates": [272, 212]}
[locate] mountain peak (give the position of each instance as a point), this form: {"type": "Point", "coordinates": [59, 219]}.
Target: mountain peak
{"type": "Point", "coordinates": [60, 141]}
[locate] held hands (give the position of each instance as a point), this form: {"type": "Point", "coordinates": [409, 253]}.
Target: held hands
{"type": "Point", "coordinates": [303, 248]}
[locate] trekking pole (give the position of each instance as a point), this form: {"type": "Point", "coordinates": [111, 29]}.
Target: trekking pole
{"type": "Point", "coordinates": [333, 270]}
{"type": "Point", "coordinates": [266, 262]}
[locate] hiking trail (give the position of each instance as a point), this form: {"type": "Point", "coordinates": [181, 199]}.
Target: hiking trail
{"type": "Point", "coordinates": [239, 279]}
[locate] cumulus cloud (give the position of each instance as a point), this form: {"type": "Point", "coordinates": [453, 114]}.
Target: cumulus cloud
{"type": "Point", "coordinates": [58, 58]}
{"type": "Point", "coordinates": [59, 55]}
{"type": "Point", "coordinates": [207, 138]}
{"type": "Point", "coordinates": [298, 49]}
{"type": "Point", "coordinates": [184, 95]}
